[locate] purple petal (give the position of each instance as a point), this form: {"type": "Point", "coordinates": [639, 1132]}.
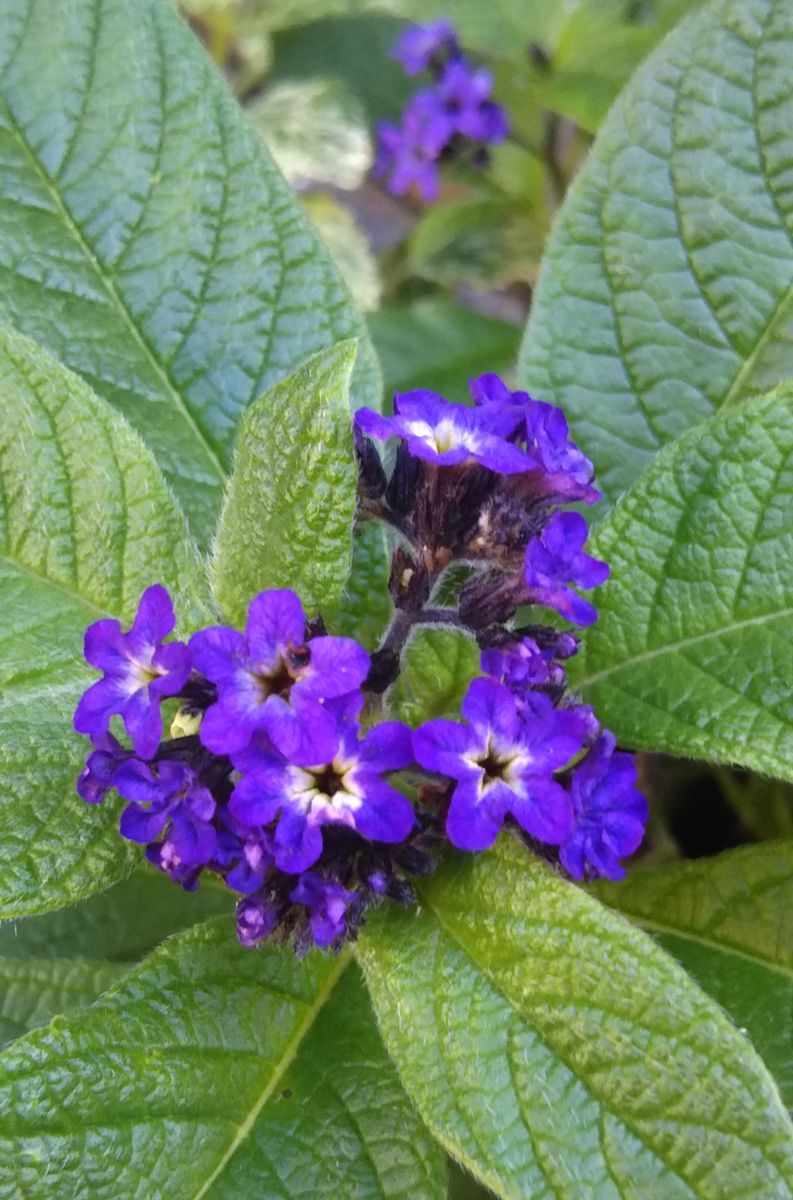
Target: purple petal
{"type": "Point", "coordinates": [305, 733]}
{"type": "Point", "coordinates": [440, 745]}
{"type": "Point", "coordinates": [275, 620]}
{"type": "Point", "coordinates": [105, 646]}
{"type": "Point", "coordinates": [140, 825]}
{"type": "Point", "coordinates": [175, 663]}
{"type": "Point", "coordinates": [489, 706]}
{"type": "Point", "coordinates": [471, 823]}
{"type": "Point", "coordinates": [216, 653]}
{"type": "Point", "coordinates": [543, 809]}
{"type": "Point", "coordinates": [338, 666]}
{"type": "Point", "coordinates": [154, 620]}
{"type": "Point", "coordinates": [298, 842]}
{"type": "Point", "coordinates": [387, 747]}
{"type": "Point", "coordinates": [143, 722]}
{"type": "Point", "coordinates": [98, 704]}
{"type": "Point", "coordinates": [136, 781]}
{"type": "Point", "coordinates": [193, 841]}
{"type": "Point", "coordinates": [385, 814]}
{"type": "Point", "coordinates": [229, 724]}
{"type": "Point", "coordinates": [256, 799]}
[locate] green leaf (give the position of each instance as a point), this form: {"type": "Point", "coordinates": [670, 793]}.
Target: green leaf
{"type": "Point", "coordinates": [212, 1071]}
{"type": "Point", "coordinates": [729, 921]}
{"type": "Point", "coordinates": [86, 523]}
{"type": "Point", "coordinates": [599, 47]}
{"type": "Point", "coordinates": [290, 502]}
{"type": "Point", "coordinates": [561, 1053]}
{"type": "Point", "coordinates": [492, 241]}
{"type": "Point", "coordinates": [349, 247]}
{"type": "Point", "coordinates": [436, 670]}
{"type": "Point", "coordinates": [32, 991]}
{"type": "Point", "coordinates": [693, 650]}
{"type": "Point", "coordinates": [145, 236]}
{"type": "Point", "coordinates": [439, 345]}
{"type": "Point", "coordinates": [316, 131]}
{"type": "Point", "coordinates": [365, 608]}
{"type": "Point", "coordinates": [667, 289]}
{"type": "Point", "coordinates": [65, 959]}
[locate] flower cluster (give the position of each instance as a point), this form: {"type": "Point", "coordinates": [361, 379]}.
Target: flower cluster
{"type": "Point", "coordinates": [457, 111]}
{"type": "Point", "coordinates": [282, 775]}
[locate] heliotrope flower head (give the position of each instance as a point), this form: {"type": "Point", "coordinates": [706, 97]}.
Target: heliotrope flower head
{"type": "Point", "coordinates": [272, 677]}
{"type": "Point", "coordinates": [609, 813]}
{"type": "Point", "coordinates": [503, 765]}
{"type": "Point", "coordinates": [328, 904]}
{"type": "Point", "coordinates": [422, 46]}
{"type": "Point", "coordinates": [139, 671]}
{"type": "Point", "coordinates": [448, 434]}
{"type": "Point", "coordinates": [344, 785]}
{"type": "Point", "coordinates": [170, 810]}
{"type": "Point", "coordinates": [555, 559]}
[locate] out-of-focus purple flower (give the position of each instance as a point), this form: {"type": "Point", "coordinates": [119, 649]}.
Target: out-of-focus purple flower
{"type": "Point", "coordinates": [422, 46]}
{"type": "Point", "coordinates": [272, 663]}
{"type": "Point", "coordinates": [555, 559]}
{"type": "Point", "coordinates": [410, 151]}
{"type": "Point", "coordinates": [138, 672]}
{"type": "Point", "coordinates": [464, 92]}
{"type": "Point", "coordinates": [449, 434]}
{"type": "Point", "coordinates": [257, 917]}
{"type": "Point", "coordinates": [171, 804]}
{"type": "Point", "coordinates": [503, 765]}
{"type": "Point", "coordinates": [343, 786]}
{"type": "Point", "coordinates": [327, 903]}
{"type": "Point", "coordinates": [96, 778]}
{"type": "Point", "coordinates": [609, 813]}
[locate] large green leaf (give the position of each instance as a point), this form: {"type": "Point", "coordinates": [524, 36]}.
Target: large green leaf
{"type": "Point", "coordinates": [556, 1051]}
{"type": "Point", "coordinates": [289, 508]}
{"type": "Point", "coordinates": [667, 290]}
{"type": "Point", "coordinates": [729, 921]}
{"type": "Point", "coordinates": [65, 959]}
{"type": "Point", "coordinates": [212, 1071]}
{"type": "Point", "coordinates": [145, 236]}
{"type": "Point", "coordinates": [693, 651]}
{"type": "Point", "coordinates": [436, 344]}
{"type": "Point", "coordinates": [86, 523]}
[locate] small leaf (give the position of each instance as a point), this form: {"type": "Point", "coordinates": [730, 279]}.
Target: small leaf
{"type": "Point", "coordinates": [348, 246]}
{"type": "Point", "coordinates": [316, 131]}
{"type": "Point", "coordinates": [86, 523]}
{"type": "Point", "coordinates": [491, 241]}
{"type": "Point", "coordinates": [729, 921]}
{"type": "Point", "coordinates": [147, 239]}
{"type": "Point", "coordinates": [437, 668]}
{"type": "Point", "coordinates": [438, 345]}
{"type": "Point", "coordinates": [667, 288]}
{"type": "Point", "coordinates": [561, 1053]}
{"type": "Point", "coordinates": [290, 502]}
{"type": "Point", "coordinates": [212, 1071]}
{"type": "Point", "coordinates": [693, 650]}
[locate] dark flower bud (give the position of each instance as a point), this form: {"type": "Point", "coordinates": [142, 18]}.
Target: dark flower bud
{"type": "Point", "coordinates": [406, 481]}
{"type": "Point", "coordinates": [490, 598]}
{"type": "Point", "coordinates": [371, 476]}
{"type": "Point", "coordinates": [409, 581]}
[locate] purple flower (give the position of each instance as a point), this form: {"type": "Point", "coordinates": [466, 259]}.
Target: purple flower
{"type": "Point", "coordinates": [343, 786]}
{"type": "Point", "coordinates": [96, 778]}
{"type": "Point", "coordinates": [609, 813]}
{"type": "Point", "coordinates": [555, 559]}
{"type": "Point", "coordinates": [243, 856]}
{"type": "Point", "coordinates": [171, 803]}
{"type": "Point", "coordinates": [410, 151]}
{"type": "Point", "coordinates": [503, 765]}
{"type": "Point", "coordinates": [521, 666]}
{"type": "Point", "coordinates": [257, 917]}
{"type": "Point", "coordinates": [464, 93]}
{"type": "Point", "coordinates": [450, 434]}
{"type": "Point", "coordinates": [422, 45]}
{"type": "Point", "coordinates": [138, 672]}
{"type": "Point", "coordinates": [327, 902]}
{"type": "Point", "coordinates": [256, 673]}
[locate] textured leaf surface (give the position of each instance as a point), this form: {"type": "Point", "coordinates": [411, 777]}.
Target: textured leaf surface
{"type": "Point", "coordinates": [693, 651]}
{"type": "Point", "coordinates": [145, 236]}
{"type": "Point", "coordinates": [287, 518]}
{"type": "Point", "coordinates": [667, 290]}
{"type": "Point", "coordinates": [65, 959]}
{"type": "Point", "coordinates": [86, 523]}
{"type": "Point", "coordinates": [438, 345]}
{"type": "Point", "coordinates": [562, 1054]}
{"type": "Point", "coordinates": [365, 608]}
{"type": "Point", "coordinates": [436, 671]}
{"type": "Point", "coordinates": [213, 1072]}
{"type": "Point", "coordinates": [729, 921]}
